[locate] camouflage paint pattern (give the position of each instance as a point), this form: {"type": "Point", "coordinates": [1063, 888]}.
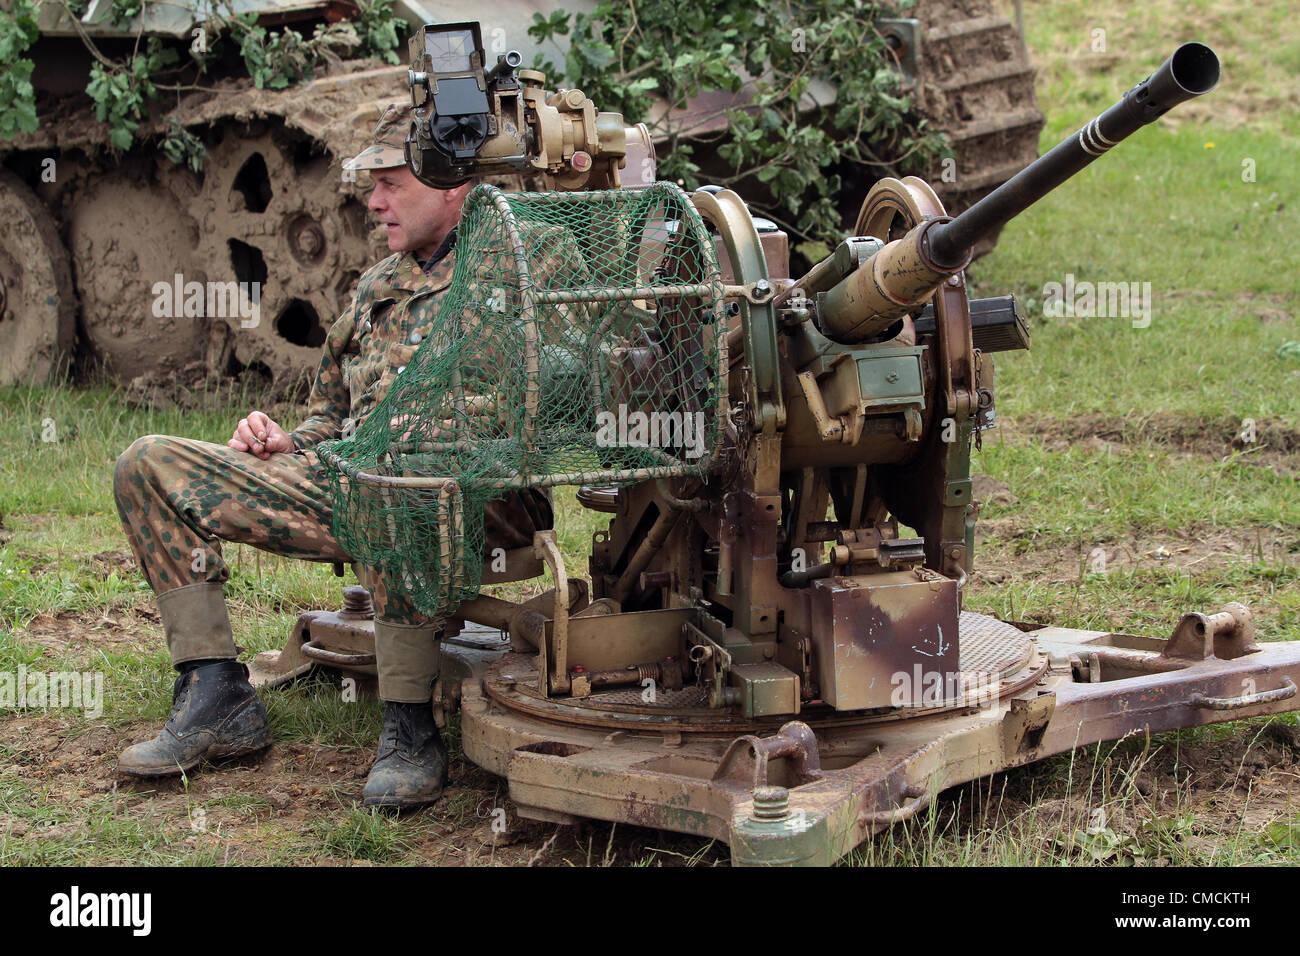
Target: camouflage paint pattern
{"type": "Point", "coordinates": [179, 498]}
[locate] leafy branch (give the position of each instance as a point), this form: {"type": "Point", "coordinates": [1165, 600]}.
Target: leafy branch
{"type": "Point", "coordinates": [17, 97]}
{"type": "Point", "coordinates": [767, 66]}
{"type": "Point", "coordinates": [124, 90]}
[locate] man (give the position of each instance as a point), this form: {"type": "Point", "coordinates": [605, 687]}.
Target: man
{"type": "Point", "coordinates": [179, 498]}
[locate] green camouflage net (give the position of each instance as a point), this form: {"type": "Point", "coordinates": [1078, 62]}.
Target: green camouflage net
{"type": "Point", "coordinates": [580, 341]}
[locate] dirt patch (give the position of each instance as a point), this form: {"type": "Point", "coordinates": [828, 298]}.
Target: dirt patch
{"type": "Point", "coordinates": [1267, 442]}
{"type": "Point", "coordinates": [302, 791]}
{"type": "Point", "coordinates": [989, 491]}
{"type": "Point", "coordinates": [109, 562]}
{"type": "Point", "coordinates": [295, 790]}
{"type": "Point", "coordinates": [298, 796]}
{"type": "Point", "coordinates": [196, 386]}
{"type": "Point", "coordinates": [1268, 307]}
{"type": "Point", "coordinates": [1007, 548]}
{"type": "Point", "coordinates": [84, 634]}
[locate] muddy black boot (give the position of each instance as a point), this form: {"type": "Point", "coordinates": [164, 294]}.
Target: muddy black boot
{"type": "Point", "coordinates": [410, 769]}
{"type": "Point", "coordinates": [215, 713]}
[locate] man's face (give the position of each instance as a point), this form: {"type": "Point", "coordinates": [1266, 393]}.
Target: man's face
{"type": "Point", "coordinates": [417, 217]}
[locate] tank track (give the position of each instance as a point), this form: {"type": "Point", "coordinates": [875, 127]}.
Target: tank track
{"type": "Point", "coordinates": [978, 88]}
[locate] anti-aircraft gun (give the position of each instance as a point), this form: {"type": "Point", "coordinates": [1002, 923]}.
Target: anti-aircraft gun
{"type": "Point", "coordinates": [772, 650]}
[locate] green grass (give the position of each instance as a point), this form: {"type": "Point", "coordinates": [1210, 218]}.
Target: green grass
{"type": "Point", "coordinates": [62, 835]}
{"type": "Point", "coordinates": [1256, 42]}
{"type": "Point", "coordinates": [1101, 495]}
{"type": "Point", "coordinates": [1165, 207]}
{"type": "Point", "coordinates": [1212, 249]}
{"type": "Point", "coordinates": [1103, 805]}
{"type": "Point", "coordinates": [364, 835]}
{"type": "Point", "coordinates": [1168, 206]}
{"type": "Point", "coordinates": [316, 711]}
{"type": "Point", "coordinates": [1147, 601]}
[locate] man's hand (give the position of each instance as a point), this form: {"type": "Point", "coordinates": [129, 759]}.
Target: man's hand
{"type": "Point", "coordinates": [260, 436]}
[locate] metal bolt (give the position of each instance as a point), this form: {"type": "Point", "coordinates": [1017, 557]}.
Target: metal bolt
{"type": "Point", "coordinates": [310, 241]}
{"type": "Point", "coordinates": [762, 287]}
{"type": "Point", "coordinates": [356, 602]}
{"type": "Point", "coordinates": [771, 803]}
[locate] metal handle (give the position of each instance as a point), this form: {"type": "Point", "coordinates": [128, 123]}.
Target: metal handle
{"type": "Point", "coordinates": [1285, 692]}
{"type": "Point", "coordinates": [919, 799]}
{"type": "Point", "coordinates": [316, 653]}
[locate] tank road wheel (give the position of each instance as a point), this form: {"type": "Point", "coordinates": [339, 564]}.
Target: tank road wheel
{"type": "Point", "coordinates": [273, 210]}
{"type": "Point", "coordinates": [130, 239]}
{"type": "Point", "coordinates": [37, 304]}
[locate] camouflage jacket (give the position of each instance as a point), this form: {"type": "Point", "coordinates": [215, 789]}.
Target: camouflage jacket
{"type": "Point", "coordinates": [396, 307]}
{"type": "Point", "coordinates": [392, 311]}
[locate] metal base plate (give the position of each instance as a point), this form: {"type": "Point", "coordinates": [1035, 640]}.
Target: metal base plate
{"type": "Point", "coordinates": [996, 660]}
{"type": "Point", "coordinates": [826, 780]}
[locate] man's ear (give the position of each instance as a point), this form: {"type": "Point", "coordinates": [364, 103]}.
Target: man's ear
{"type": "Point", "coordinates": [456, 196]}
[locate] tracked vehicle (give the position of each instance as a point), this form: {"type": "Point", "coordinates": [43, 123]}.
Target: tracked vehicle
{"type": "Point", "coordinates": [771, 649]}
{"type": "Point", "coordinates": [86, 239]}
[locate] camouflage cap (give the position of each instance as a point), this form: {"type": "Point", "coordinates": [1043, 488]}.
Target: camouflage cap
{"type": "Point", "coordinates": [386, 149]}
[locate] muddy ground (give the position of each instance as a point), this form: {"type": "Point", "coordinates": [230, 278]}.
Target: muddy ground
{"type": "Point", "coordinates": [1195, 793]}
{"type": "Point", "coordinates": [291, 795]}
{"type": "Point", "coordinates": [1203, 792]}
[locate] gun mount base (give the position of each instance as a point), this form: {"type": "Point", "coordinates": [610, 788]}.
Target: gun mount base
{"type": "Point", "coordinates": [996, 661]}
{"type": "Point", "coordinates": [809, 791]}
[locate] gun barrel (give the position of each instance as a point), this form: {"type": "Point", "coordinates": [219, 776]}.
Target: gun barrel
{"type": "Point", "coordinates": [903, 276]}
{"type": "Point", "coordinates": [1192, 69]}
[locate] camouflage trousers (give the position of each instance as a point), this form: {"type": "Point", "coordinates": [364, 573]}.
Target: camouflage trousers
{"type": "Point", "coordinates": [179, 499]}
